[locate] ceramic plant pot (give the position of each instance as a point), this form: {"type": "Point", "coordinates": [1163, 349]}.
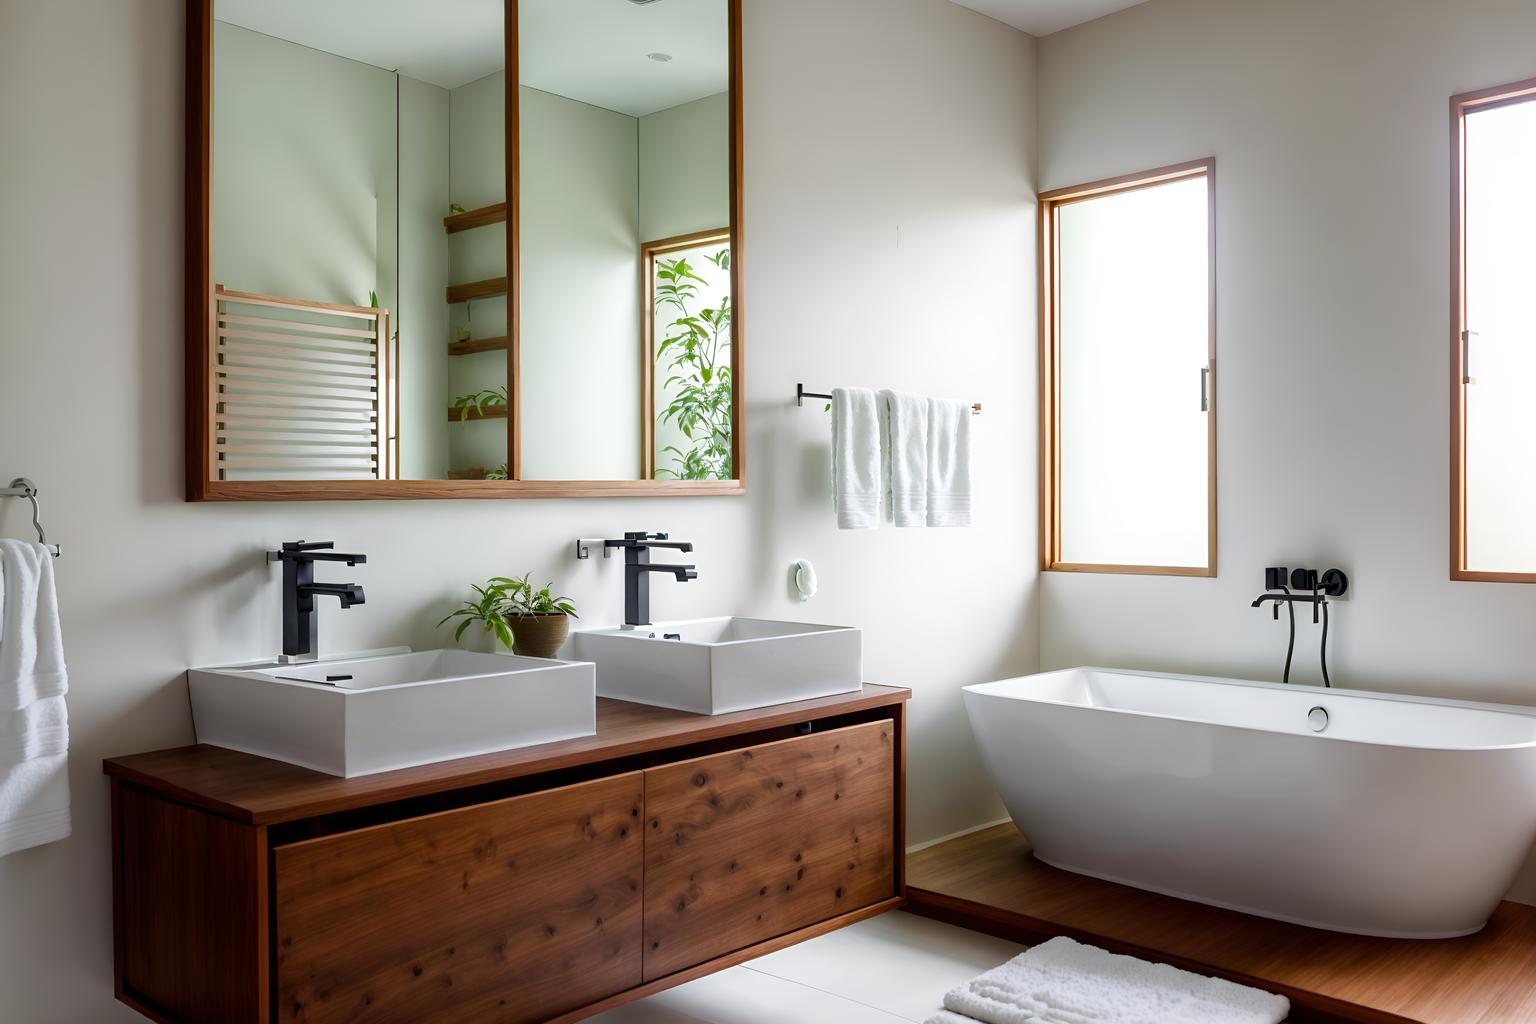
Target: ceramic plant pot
{"type": "Point", "coordinates": [539, 636]}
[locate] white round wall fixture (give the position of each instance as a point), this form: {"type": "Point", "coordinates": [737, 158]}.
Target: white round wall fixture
{"type": "Point", "coordinates": [805, 579]}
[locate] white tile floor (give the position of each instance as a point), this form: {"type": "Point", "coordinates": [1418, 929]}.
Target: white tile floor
{"type": "Point", "coordinates": [888, 970]}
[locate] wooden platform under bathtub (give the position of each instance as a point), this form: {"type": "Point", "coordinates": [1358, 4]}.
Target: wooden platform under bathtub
{"type": "Point", "coordinates": [989, 881]}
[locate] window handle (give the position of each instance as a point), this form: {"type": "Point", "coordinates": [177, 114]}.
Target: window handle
{"type": "Point", "coordinates": [1466, 357]}
{"type": "Point", "coordinates": [1205, 388]}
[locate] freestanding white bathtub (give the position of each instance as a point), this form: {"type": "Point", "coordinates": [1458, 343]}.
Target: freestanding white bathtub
{"type": "Point", "coordinates": [1402, 817]}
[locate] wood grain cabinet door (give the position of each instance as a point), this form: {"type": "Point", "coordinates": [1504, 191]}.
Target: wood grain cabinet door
{"type": "Point", "coordinates": [751, 844]}
{"type": "Point", "coordinates": [509, 912]}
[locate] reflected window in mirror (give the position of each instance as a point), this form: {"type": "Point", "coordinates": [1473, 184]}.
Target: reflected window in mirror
{"type": "Point", "coordinates": [689, 355]}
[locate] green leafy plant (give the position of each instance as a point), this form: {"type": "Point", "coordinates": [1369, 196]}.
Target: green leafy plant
{"type": "Point", "coordinates": [499, 473]}
{"type": "Point", "coordinates": [696, 352]}
{"type": "Point", "coordinates": [524, 599]}
{"type": "Point", "coordinates": [479, 401]}
{"type": "Point", "coordinates": [486, 610]}
{"type": "Point", "coordinates": [502, 599]}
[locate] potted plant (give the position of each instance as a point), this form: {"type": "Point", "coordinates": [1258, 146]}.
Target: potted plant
{"type": "Point", "coordinates": [527, 620]}
{"type": "Point", "coordinates": [540, 620]}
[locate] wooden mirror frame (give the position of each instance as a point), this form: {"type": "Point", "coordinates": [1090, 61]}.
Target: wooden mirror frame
{"type": "Point", "coordinates": [201, 311]}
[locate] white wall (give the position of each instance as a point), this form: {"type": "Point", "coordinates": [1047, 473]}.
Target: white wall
{"type": "Point", "coordinates": [1329, 124]}
{"type": "Point", "coordinates": [579, 342]}
{"type": "Point", "coordinates": [920, 150]}
{"type": "Point", "coordinates": [421, 316]}
{"type": "Point", "coordinates": [284, 114]}
{"type": "Point", "coordinates": [685, 168]}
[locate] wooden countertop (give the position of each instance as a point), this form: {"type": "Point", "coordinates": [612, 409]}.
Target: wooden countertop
{"type": "Point", "coordinates": [261, 791]}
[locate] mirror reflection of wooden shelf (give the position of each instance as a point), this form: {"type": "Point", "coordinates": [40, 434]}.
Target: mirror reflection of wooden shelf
{"type": "Point", "coordinates": [487, 289]}
{"type": "Point", "coordinates": [474, 345]}
{"type": "Point", "coordinates": [489, 412]}
{"type": "Point", "coordinates": [493, 214]}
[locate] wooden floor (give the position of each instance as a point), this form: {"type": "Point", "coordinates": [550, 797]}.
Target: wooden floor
{"type": "Point", "coordinates": [989, 881]}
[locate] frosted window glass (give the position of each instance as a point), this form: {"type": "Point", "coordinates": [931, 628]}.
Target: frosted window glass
{"type": "Point", "coordinates": [1501, 309]}
{"type": "Point", "coordinates": [1134, 278]}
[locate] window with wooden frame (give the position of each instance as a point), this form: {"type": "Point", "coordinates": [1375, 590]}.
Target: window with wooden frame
{"type": "Point", "coordinates": [1493, 334]}
{"type": "Point", "coordinates": [1127, 371]}
{"type": "Point", "coordinates": [686, 327]}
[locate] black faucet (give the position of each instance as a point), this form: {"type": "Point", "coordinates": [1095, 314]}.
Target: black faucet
{"type": "Point", "coordinates": [301, 628]}
{"type": "Point", "coordinates": [1318, 589]}
{"type": "Point", "coordinates": [638, 568]}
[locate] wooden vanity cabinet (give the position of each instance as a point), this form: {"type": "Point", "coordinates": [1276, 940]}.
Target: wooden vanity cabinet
{"type": "Point", "coordinates": [547, 883]}
{"type": "Point", "coordinates": [746, 845]}
{"type": "Point", "coordinates": [448, 917]}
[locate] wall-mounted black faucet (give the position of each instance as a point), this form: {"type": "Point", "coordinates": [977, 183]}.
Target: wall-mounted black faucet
{"type": "Point", "coordinates": [1302, 586]}
{"type": "Point", "coordinates": [301, 626]}
{"type": "Point", "coordinates": [638, 568]}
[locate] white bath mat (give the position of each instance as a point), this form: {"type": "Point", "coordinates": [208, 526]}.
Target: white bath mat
{"type": "Point", "coordinates": [1065, 982]}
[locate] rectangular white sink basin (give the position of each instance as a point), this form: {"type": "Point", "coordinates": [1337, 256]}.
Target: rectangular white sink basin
{"type": "Point", "coordinates": [715, 666]}
{"type": "Point", "coordinates": [363, 715]}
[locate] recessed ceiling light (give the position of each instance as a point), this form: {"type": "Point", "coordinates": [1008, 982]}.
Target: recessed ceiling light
{"type": "Point", "coordinates": [660, 58]}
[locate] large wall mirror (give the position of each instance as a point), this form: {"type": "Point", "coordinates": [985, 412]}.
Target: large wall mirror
{"type": "Point", "coordinates": [463, 248]}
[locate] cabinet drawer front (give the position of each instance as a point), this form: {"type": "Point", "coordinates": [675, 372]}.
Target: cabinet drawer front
{"type": "Point", "coordinates": [747, 845]}
{"type": "Point", "coordinates": [506, 912]}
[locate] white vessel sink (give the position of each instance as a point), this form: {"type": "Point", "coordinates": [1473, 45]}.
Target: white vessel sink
{"type": "Point", "coordinates": [363, 715]}
{"type": "Point", "coordinates": [715, 666]}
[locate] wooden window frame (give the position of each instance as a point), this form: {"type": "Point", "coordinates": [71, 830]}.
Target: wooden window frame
{"type": "Point", "coordinates": [1461, 106]}
{"type": "Point", "coordinates": [648, 253]}
{"type": "Point", "coordinates": [1050, 364]}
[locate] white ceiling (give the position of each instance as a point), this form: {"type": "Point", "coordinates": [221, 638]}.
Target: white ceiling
{"type": "Point", "coordinates": [1042, 17]}
{"type": "Point", "coordinates": [446, 42]}
{"type": "Point", "coordinates": [594, 51]}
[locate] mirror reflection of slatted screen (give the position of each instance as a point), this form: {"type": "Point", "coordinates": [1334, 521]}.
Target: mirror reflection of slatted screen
{"type": "Point", "coordinates": [302, 390]}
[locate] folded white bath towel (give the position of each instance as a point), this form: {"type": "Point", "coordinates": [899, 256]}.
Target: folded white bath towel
{"type": "Point", "coordinates": [856, 458]}
{"type": "Point", "coordinates": [1065, 982]}
{"type": "Point", "coordinates": [949, 462]}
{"type": "Point", "coordinates": [906, 457]}
{"type": "Point", "coordinates": [34, 722]}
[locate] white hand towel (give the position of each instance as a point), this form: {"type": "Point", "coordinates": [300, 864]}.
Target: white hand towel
{"type": "Point", "coordinates": [906, 457]}
{"type": "Point", "coordinates": [856, 458]}
{"type": "Point", "coordinates": [31, 647]}
{"type": "Point", "coordinates": [34, 723]}
{"type": "Point", "coordinates": [949, 462]}
{"type": "Point", "coordinates": [1065, 982]}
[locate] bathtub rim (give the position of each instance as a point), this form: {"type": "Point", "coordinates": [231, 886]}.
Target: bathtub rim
{"type": "Point", "coordinates": [1521, 711]}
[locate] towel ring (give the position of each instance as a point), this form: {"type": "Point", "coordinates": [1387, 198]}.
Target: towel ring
{"type": "Point", "coordinates": [21, 487]}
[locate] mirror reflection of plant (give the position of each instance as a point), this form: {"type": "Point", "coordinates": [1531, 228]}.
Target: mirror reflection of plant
{"type": "Point", "coordinates": [479, 401]}
{"type": "Point", "coordinates": [699, 346]}
{"type": "Point", "coordinates": [499, 473]}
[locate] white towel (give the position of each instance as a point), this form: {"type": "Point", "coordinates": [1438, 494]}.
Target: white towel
{"type": "Point", "coordinates": [1065, 982]}
{"type": "Point", "coordinates": [856, 458]}
{"type": "Point", "coordinates": [906, 457]}
{"type": "Point", "coordinates": [34, 723]}
{"type": "Point", "coordinates": [949, 462]}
